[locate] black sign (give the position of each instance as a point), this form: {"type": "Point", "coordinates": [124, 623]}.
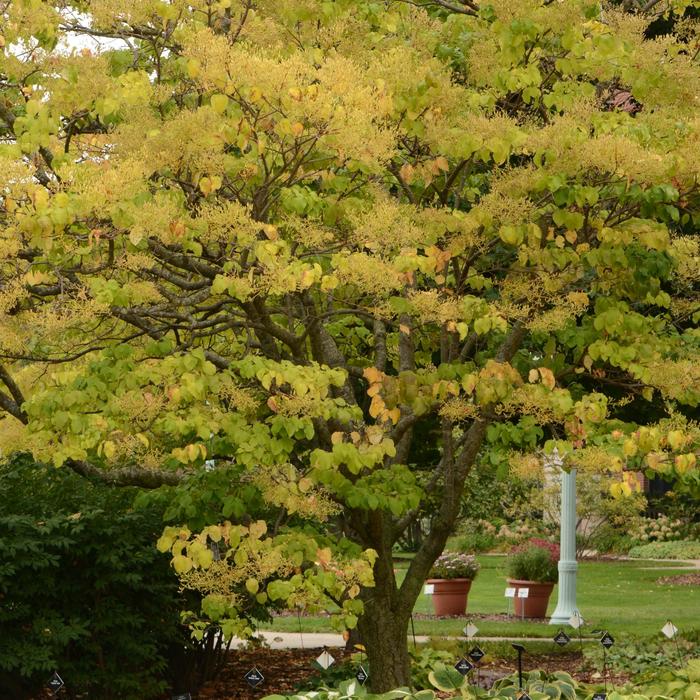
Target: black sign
{"type": "Point", "coordinates": [463, 666]}
{"type": "Point", "coordinates": [600, 696]}
{"type": "Point", "coordinates": [476, 655]}
{"type": "Point", "coordinates": [606, 640]}
{"type": "Point", "coordinates": [562, 638]}
{"type": "Point", "coordinates": [524, 696]}
{"type": "Point", "coordinates": [55, 683]}
{"type": "Point", "coordinates": [361, 676]}
{"type": "Point", "coordinates": [182, 696]}
{"type": "Point", "coordinates": [254, 678]}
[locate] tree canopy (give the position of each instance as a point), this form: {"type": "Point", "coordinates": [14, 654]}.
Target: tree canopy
{"type": "Point", "coordinates": [258, 245]}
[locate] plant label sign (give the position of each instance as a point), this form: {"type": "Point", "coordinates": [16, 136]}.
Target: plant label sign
{"type": "Point", "coordinates": [254, 678]}
{"type": "Point", "coordinates": [523, 592]}
{"type": "Point", "coordinates": [325, 660]}
{"type": "Point", "coordinates": [524, 696]}
{"type": "Point", "coordinates": [607, 640]}
{"type": "Point", "coordinates": [576, 621]}
{"type": "Point", "coordinates": [182, 696]}
{"type": "Point", "coordinates": [429, 589]}
{"type": "Point", "coordinates": [670, 630]}
{"type": "Point", "coordinates": [361, 675]}
{"type": "Point", "coordinates": [470, 630]}
{"type": "Point", "coordinates": [600, 696]}
{"type": "Point", "coordinates": [476, 654]}
{"type": "Point", "coordinates": [510, 592]}
{"type": "Point", "coordinates": [562, 638]}
{"type": "Point", "coordinates": [55, 683]}
{"type": "Point", "coordinates": [463, 666]}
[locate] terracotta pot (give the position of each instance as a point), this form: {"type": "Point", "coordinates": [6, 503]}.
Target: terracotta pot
{"type": "Point", "coordinates": [450, 595]}
{"type": "Point", "coordinates": [535, 605]}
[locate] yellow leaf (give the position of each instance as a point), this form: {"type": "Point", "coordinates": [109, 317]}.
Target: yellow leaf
{"type": "Point", "coordinates": [407, 173]}
{"type": "Point", "coordinates": [405, 329]}
{"type": "Point", "coordinates": [394, 414]}
{"type": "Point", "coordinates": [108, 449]}
{"type": "Point", "coordinates": [337, 437]}
{"type": "Point", "coordinates": [194, 68]}
{"type": "Point", "coordinates": [533, 376]}
{"type": "Point", "coordinates": [324, 556]}
{"type": "Point", "coordinates": [629, 448]}
{"type": "Point", "coordinates": [375, 435]}
{"type": "Point", "coordinates": [252, 586]}
{"type": "Point", "coordinates": [219, 103]}
{"type": "Point", "coordinates": [676, 439]}
{"type": "Point", "coordinates": [547, 377]}
{"type": "Point", "coordinates": [297, 129]}
{"type": "Point", "coordinates": [257, 529]}
{"type": "Point", "coordinates": [442, 164]}
{"type": "Point", "coordinates": [271, 232]}
{"type": "Point", "coordinates": [469, 383]}
{"type": "Point", "coordinates": [376, 407]}
{"type": "Point", "coordinates": [373, 375]}
{"type": "Point", "coordinates": [182, 564]}
{"type": "Point", "coordinates": [684, 463]}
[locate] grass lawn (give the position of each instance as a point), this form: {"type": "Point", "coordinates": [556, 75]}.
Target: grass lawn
{"type": "Point", "coordinates": [622, 597]}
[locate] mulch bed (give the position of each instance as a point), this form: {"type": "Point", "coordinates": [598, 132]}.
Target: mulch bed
{"type": "Point", "coordinates": [680, 580]}
{"type": "Point", "coordinates": [285, 669]}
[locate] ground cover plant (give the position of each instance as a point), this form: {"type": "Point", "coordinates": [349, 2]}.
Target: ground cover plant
{"type": "Point", "coordinates": [310, 264]}
{"type": "Point", "coordinates": [677, 549]}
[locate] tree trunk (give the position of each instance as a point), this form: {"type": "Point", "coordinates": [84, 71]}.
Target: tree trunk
{"type": "Point", "coordinates": [384, 633]}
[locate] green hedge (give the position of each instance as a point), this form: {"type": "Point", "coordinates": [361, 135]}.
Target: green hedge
{"type": "Point", "coordinates": [680, 549]}
{"type": "Point", "coordinates": [82, 588]}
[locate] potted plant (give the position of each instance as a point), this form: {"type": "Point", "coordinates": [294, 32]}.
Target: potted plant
{"type": "Point", "coordinates": [533, 566]}
{"type": "Point", "coordinates": [451, 577]}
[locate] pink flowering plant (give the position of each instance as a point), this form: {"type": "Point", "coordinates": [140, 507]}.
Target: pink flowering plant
{"type": "Point", "coordinates": [455, 565]}
{"type": "Point", "coordinates": [535, 560]}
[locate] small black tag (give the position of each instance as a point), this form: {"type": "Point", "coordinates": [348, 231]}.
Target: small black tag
{"type": "Point", "coordinates": [361, 676]}
{"type": "Point", "coordinates": [562, 638]}
{"type": "Point", "coordinates": [600, 696]}
{"type": "Point", "coordinates": [524, 696]}
{"type": "Point", "coordinates": [607, 640]}
{"type": "Point", "coordinates": [476, 654]}
{"type": "Point", "coordinates": [254, 678]}
{"type": "Point", "coordinates": [55, 683]}
{"type": "Point", "coordinates": [463, 666]}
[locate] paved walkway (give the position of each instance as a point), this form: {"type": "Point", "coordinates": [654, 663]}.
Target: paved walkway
{"type": "Point", "coordinates": [319, 640]}
{"type": "Point", "coordinates": [684, 564]}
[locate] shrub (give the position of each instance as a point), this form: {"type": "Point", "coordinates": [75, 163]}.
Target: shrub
{"type": "Point", "coordinates": [535, 561]}
{"type": "Point", "coordinates": [659, 529]}
{"type": "Point", "coordinates": [455, 565]}
{"type": "Point", "coordinates": [82, 587]}
{"type": "Point", "coordinates": [667, 550]}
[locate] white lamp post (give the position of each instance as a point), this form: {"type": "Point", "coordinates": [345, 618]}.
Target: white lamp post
{"type": "Point", "coordinates": [566, 603]}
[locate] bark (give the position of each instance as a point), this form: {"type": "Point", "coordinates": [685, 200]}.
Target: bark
{"type": "Point", "coordinates": [384, 634]}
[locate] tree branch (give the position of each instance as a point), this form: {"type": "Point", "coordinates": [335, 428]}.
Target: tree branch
{"type": "Point", "coordinates": [126, 476]}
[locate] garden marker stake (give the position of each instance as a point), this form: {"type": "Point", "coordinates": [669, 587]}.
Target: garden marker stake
{"type": "Point", "coordinates": [607, 641]}
{"type": "Point", "coordinates": [413, 633]}
{"type": "Point", "coordinates": [576, 621]}
{"type": "Point", "coordinates": [301, 633]}
{"type": "Point", "coordinates": [671, 631]}
{"type": "Point", "coordinates": [520, 649]}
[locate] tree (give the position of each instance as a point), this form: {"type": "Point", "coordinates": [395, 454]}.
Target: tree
{"type": "Point", "coordinates": [269, 242]}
